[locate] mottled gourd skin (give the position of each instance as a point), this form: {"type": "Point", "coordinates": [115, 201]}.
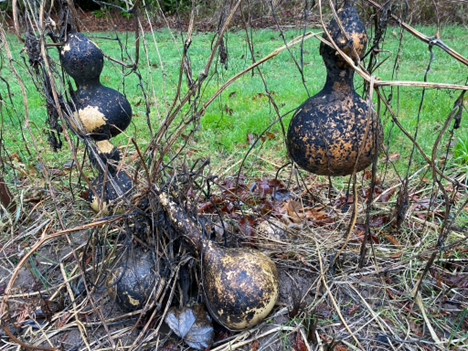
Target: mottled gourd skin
{"type": "Point", "coordinates": [131, 284]}
{"type": "Point", "coordinates": [81, 58]}
{"type": "Point", "coordinates": [328, 133]}
{"type": "Point", "coordinates": [241, 287]}
{"type": "Point", "coordinates": [335, 132]}
{"type": "Point", "coordinates": [102, 111]}
{"type": "Point", "coordinates": [355, 47]}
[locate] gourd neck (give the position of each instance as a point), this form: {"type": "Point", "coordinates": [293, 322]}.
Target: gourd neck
{"type": "Point", "coordinates": [340, 81]}
{"type": "Point", "coordinates": [88, 84]}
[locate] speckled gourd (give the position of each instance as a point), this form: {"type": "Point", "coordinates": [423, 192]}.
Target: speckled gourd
{"type": "Point", "coordinates": [99, 113]}
{"type": "Point", "coordinates": [336, 132]}
{"type": "Point", "coordinates": [240, 286]}
{"type": "Point", "coordinates": [102, 111]}
{"type": "Point", "coordinates": [130, 284]}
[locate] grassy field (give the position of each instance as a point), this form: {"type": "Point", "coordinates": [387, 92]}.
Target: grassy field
{"type": "Point", "coordinates": [244, 112]}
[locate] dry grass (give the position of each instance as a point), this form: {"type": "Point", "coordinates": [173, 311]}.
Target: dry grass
{"type": "Point", "coordinates": [56, 259]}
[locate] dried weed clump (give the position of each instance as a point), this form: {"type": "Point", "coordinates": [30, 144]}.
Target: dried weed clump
{"type": "Point", "coordinates": [57, 257]}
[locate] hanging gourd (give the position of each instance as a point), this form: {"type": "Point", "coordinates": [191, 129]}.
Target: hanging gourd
{"type": "Point", "coordinates": [240, 286]}
{"type": "Point", "coordinates": [336, 132]}
{"type": "Point", "coordinates": [102, 111]}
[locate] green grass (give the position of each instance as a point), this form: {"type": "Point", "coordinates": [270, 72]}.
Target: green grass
{"type": "Point", "coordinates": [244, 109]}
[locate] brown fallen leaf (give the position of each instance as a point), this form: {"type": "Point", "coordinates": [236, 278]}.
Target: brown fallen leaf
{"type": "Point", "coordinates": [300, 343]}
{"type": "Point", "coordinates": [295, 211]}
{"type": "Point", "coordinates": [393, 158]}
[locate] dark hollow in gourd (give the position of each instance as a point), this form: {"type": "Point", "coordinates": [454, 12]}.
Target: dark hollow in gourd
{"type": "Point", "coordinates": [102, 111]}
{"type": "Point", "coordinates": [131, 283]}
{"type": "Point", "coordinates": [336, 132]}
{"type": "Point", "coordinates": [241, 286]}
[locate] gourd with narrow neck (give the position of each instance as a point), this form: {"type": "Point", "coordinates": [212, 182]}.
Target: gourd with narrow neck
{"type": "Point", "coordinates": [100, 113]}
{"type": "Point", "coordinates": [103, 112]}
{"type": "Point", "coordinates": [336, 132]}
{"type": "Point", "coordinates": [241, 286]}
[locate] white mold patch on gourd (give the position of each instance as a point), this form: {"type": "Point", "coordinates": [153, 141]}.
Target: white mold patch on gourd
{"type": "Point", "coordinates": [66, 48]}
{"type": "Point", "coordinates": [92, 118]}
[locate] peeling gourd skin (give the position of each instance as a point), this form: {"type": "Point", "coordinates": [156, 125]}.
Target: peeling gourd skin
{"type": "Point", "coordinates": [108, 154]}
{"type": "Point", "coordinates": [335, 132]}
{"type": "Point", "coordinates": [102, 111]}
{"type": "Point", "coordinates": [109, 113]}
{"type": "Point", "coordinates": [241, 287]}
{"type": "Point", "coordinates": [131, 284]}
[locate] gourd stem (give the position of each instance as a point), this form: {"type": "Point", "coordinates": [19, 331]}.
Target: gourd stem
{"type": "Point", "coordinates": [88, 84]}
{"type": "Point", "coordinates": [182, 222]}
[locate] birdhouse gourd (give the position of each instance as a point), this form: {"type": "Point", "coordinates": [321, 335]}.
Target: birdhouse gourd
{"type": "Point", "coordinates": [240, 286]}
{"type": "Point", "coordinates": [103, 112]}
{"type": "Point", "coordinates": [336, 132]}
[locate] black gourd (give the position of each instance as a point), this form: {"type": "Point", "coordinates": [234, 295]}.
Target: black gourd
{"type": "Point", "coordinates": [130, 284]}
{"type": "Point", "coordinates": [103, 192]}
{"type": "Point", "coordinates": [102, 111]}
{"type": "Point", "coordinates": [240, 286]}
{"type": "Point", "coordinates": [336, 132]}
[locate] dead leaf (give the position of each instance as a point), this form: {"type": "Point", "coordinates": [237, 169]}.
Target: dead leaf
{"type": "Point", "coordinates": [267, 188]}
{"type": "Point", "coordinates": [394, 241]}
{"type": "Point", "coordinates": [300, 343]}
{"type": "Point", "coordinates": [393, 158]}
{"type": "Point", "coordinates": [256, 345]}
{"type": "Point", "coordinates": [295, 211]}
{"type": "Point", "coordinates": [319, 217]}
{"type": "Point", "coordinates": [387, 195]}
{"type": "Point", "coordinates": [247, 226]}
{"type": "Point", "coordinates": [379, 221]}
{"type": "Point", "coordinates": [193, 325]}
{"type": "Point", "coordinates": [252, 138]}
{"type": "Point", "coordinates": [268, 136]}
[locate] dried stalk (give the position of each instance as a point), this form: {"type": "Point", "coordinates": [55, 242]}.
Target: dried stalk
{"type": "Point", "coordinates": [428, 40]}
